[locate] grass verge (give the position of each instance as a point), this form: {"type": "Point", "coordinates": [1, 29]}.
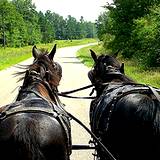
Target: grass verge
{"type": "Point", "coordinates": [151, 77]}
{"type": "Point", "coordinates": [11, 56]}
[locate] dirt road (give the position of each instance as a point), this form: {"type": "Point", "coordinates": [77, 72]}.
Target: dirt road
{"type": "Point", "coordinates": [74, 76]}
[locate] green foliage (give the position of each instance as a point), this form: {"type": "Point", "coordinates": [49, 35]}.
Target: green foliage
{"type": "Point", "coordinates": [103, 24]}
{"type": "Point", "coordinates": [146, 37]}
{"type": "Point", "coordinates": [46, 27]}
{"type": "Point", "coordinates": [9, 23]}
{"type": "Point", "coordinates": [132, 29]}
{"type": "Point", "coordinates": [21, 25]}
{"type": "Point", "coordinates": [123, 14]}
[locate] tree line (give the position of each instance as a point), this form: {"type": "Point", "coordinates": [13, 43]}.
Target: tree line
{"type": "Point", "coordinates": [21, 25]}
{"type": "Point", "coordinates": [132, 28]}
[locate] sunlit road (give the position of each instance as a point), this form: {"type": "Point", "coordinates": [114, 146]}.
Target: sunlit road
{"type": "Point", "coordinates": [74, 76]}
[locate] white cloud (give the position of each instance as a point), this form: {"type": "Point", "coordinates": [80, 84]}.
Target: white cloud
{"type": "Point", "coordinates": [89, 9]}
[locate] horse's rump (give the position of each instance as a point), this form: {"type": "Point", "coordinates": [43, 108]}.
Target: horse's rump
{"type": "Point", "coordinates": [35, 128]}
{"type": "Point", "coordinates": [124, 115]}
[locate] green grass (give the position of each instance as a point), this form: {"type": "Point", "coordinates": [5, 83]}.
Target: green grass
{"type": "Point", "coordinates": [12, 56]}
{"type": "Point", "coordinates": [85, 56]}
{"type": "Point", "coordinates": [151, 77]}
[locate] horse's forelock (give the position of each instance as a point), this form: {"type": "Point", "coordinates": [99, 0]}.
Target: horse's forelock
{"type": "Point", "coordinates": [112, 61]}
{"type": "Point", "coordinates": [108, 60]}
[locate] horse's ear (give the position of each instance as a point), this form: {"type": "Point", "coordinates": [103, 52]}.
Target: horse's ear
{"type": "Point", "coordinates": [94, 56]}
{"type": "Point", "coordinates": [35, 52]}
{"type": "Point", "coordinates": [52, 53]}
{"type": "Point", "coordinates": [122, 68]}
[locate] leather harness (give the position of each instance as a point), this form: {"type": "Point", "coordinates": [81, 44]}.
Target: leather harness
{"type": "Point", "coordinates": [113, 92]}
{"type": "Point", "coordinates": [27, 106]}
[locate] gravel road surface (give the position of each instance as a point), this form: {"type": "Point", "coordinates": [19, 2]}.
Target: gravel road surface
{"type": "Point", "coordinates": [74, 76]}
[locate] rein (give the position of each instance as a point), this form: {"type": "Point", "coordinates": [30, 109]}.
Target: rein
{"type": "Point", "coordinates": [65, 94]}
{"type": "Point", "coordinates": [155, 91]}
{"type": "Point", "coordinates": [58, 102]}
{"type": "Point", "coordinates": [79, 89]}
{"type": "Point", "coordinates": [94, 136]}
{"type": "Point", "coordinates": [88, 130]}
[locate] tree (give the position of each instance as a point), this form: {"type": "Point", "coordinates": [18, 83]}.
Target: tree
{"type": "Point", "coordinates": [123, 13]}
{"type": "Point", "coordinates": [30, 16]}
{"type": "Point", "coordinates": [146, 38]}
{"type": "Point", "coordinates": [71, 25]}
{"type": "Point", "coordinates": [59, 26]}
{"type": "Point", "coordinates": [11, 24]}
{"type": "Point", "coordinates": [47, 28]}
{"type": "Point", "coordinates": [21, 24]}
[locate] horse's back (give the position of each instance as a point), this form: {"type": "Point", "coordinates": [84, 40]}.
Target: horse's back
{"type": "Point", "coordinates": [129, 120]}
{"type": "Point", "coordinates": [133, 124]}
{"type": "Point", "coordinates": [35, 134]}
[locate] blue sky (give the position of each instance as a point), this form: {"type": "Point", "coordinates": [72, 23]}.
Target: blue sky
{"type": "Point", "coordinates": [89, 9]}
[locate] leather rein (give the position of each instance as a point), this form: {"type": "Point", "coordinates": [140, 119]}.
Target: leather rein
{"type": "Point", "coordinates": [154, 90]}
{"type": "Point", "coordinates": [65, 94]}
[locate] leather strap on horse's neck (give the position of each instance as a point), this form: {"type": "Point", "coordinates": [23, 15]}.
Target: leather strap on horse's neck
{"type": "Point", "coordinates": [155, 93]}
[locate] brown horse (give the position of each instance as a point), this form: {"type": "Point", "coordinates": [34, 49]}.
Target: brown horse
{"type": "Point", "coordinates": [35, 126]}
{"type": "Point", "coordinates": [125, 115]}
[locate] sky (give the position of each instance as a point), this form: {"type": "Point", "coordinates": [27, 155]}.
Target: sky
{"type": "Point", "coordinates": [89, 9]}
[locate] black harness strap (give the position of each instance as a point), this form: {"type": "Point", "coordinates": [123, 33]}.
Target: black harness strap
{"type": "Point", "coordinates": [15, 110]}
{"type": "Point", "coordinates": [155, 93]}
{"type": "Point", "coordinates": [64, 94]}
{"type": "Point", "coordinates": [76, 90]}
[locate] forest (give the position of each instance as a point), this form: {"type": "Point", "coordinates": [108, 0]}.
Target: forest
{"type": "Point", "coordinates": [131, 28]}
{"type": "Point", "coordinates": [22, 25]}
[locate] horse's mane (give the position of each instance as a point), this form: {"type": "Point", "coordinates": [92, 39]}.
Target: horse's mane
{"type": "Point", "coordinates": [125, 79]}
{"type": "Point", "coordinates": [27, 67]}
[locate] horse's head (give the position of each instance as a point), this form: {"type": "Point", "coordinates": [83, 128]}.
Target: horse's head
{"type": "Point", "coordinates": [106, 68]}
{"type": "Point", "coordinates": [44, 68]}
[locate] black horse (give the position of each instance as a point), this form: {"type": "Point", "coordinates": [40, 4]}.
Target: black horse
{"type": "Point", "coordinates": [35, 126]}
{"type": "Point", "coordinates": [125, 115]}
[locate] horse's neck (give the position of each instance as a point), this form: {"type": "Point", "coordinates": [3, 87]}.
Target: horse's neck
{"type": "Point", "coordinates": [118, 81]}
{"type": "Point", "coordinates": [34, 90]}
{"type": "Point", "coordinates": [44, 92]}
